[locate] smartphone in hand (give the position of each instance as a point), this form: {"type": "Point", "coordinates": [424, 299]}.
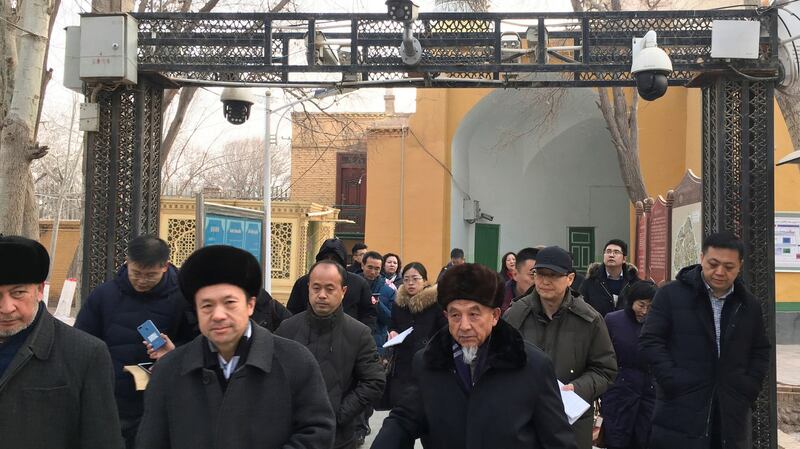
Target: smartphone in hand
{"type": "Point", "coordinates": [151, 334]}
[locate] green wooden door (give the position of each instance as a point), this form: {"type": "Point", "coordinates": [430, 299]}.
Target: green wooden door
{"type": "Point", "coordinates": [581, 245]}
{"type": "Point", "coordinates": [487, 243]}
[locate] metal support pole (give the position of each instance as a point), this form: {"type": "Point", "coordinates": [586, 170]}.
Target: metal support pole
{"type": "Point", "coordinates": [267, 232]}
{"type": "Point", "coordinates": [738, 185]}
{"type": "Point", "coordinates": [123, 187]}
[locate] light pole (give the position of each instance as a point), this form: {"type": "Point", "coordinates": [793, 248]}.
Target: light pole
{"type": "Point", "coordinates": [267, 258]}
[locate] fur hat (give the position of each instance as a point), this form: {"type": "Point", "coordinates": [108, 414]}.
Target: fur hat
{"type": "Point", "coordinates": [22, 261]}
{"type": "Point", "coordinates": [219, 264]}
{"type": "Point", "coordinates": [470, 281]}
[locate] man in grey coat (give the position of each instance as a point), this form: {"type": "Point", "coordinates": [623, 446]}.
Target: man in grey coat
{"type": "Point", "coordinates": [56, 382]}
{"type": "Point", "coordinates": [236, 385]}
{"type": "Point", "coordinates": [343, 347]}
{"type": "Point", "coordinates": [572, 333]}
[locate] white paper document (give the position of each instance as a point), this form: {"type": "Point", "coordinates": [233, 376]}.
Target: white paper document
{"type": "Point", "coordinates": [574, 405]}
{"type": "Point", "coordinates": [399, 338]}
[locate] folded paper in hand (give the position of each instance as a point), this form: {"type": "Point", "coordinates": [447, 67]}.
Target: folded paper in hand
{"type": "Point", "coordinates": [399, 338]}
{"type": "Point", "coordinates": [140, 376]}
{"type": "Point", "coordinates": [574, 405]}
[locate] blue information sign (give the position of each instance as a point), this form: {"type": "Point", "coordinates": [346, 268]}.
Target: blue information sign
{"type": "Point", "coordinates": [240, 232]}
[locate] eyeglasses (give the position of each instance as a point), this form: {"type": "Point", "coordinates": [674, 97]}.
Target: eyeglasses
{"type": "Point", "coordinates": [550, 276]}
{"type": "Point", "coordinates": [412, 279]}
{"type": "Point", "coordinates": [613, 252]}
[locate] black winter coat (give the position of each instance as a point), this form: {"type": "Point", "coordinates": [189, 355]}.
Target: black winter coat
{"type": "Point", "coordinates": [515, 403]}
{"type": "Point", "coordinates": [595, 290]}
{"type": "Point", "coordinates": [627, 405]}
{"type": "Point", "coordinates": [275, 399]}
{"type": "Point", "coordinates": [357, 300]}
{"type": "Point", "coordinates": [424, 313]}
{"type": "Point", "coordinates": [346, 353]}
{"type": "Point", "coordinates": [114, 310]}
{"type": "Point", "coordinates": [678, 340]}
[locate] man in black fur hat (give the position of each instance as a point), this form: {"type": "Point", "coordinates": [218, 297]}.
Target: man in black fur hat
{"type": "Point", "coordinates": [45, 365]}
{"type": "Point", "coordinates": [236, 385]}
{"type": "Point", "coordinates": [478, 384]}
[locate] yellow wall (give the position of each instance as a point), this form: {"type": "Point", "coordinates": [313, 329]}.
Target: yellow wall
{"type": "Point", "coordinates": [660, 178]}
{"type": "Point", "coordinates": [415, 163]}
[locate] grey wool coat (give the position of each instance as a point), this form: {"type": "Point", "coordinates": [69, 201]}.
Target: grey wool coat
{"type": "Point", "coordinates": [277, 399]}
{"type": "Point", "coordinates": [577, 342]}
{"type": "Point", "coordinates": [58, 391]}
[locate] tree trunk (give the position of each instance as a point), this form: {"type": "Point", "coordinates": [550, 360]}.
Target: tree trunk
{"type": "Point", "coordinates": [790, 109]}
{"type": "Point", "coordinates": [18, 211]}
{"type": "Point", "coordinates": [8, 63]}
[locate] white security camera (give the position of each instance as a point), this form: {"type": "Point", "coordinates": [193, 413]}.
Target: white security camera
{"type": "Point", "coordinates": [651, 66]}
{"type": "Point", "coordinates": [487, 217]}
{"type": "Point", "coordinates": [236, 103]}
{"type": "Point", "coordinates": [402, 10]}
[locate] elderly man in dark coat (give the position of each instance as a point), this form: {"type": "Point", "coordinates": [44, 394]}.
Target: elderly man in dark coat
{"type": "Point", "coordinates": [236, 385]}
{"type": "Point", "coordinates": [478, 385]}
{"type": "Point", "coordinates": [705, 342]}
{"type": "Point", "coordinates": [56, 382]}
{"type": "Point", "coordinates": [343, 347]}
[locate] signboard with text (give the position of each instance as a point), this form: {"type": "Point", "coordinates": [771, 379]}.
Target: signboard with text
{"type": "Point", "coordinates": [234, 226]}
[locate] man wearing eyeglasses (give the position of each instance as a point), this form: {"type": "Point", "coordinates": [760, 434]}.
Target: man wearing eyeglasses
{"type": "Point", "coordinates": [607, 282]}
{"type": "Point", "coordinates": [574, 335]}
{"type": "Point", "coordinates": [145, 288]}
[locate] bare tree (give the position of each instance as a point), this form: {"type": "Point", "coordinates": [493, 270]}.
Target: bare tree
{"type": "Point", "coordinates": [25, 36]}
{"type": "Point", "coordinates": [236, 169]}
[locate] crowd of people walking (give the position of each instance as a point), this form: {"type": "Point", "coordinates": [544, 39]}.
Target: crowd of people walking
{"type": "Point", "coordinates": [470, 358]}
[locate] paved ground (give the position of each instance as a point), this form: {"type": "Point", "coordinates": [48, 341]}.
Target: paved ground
{"type": "Point", "coordinates": [375, 422]}
{"type": "Point", "coordinates": [788, 364]}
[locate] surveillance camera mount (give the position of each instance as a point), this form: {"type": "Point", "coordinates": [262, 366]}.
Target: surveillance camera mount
{"type": "Point", "coordinates": [410, 49]}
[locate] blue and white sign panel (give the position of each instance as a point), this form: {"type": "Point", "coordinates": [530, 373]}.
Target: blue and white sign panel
{"type": "Point", "coordinates": [240, 232]}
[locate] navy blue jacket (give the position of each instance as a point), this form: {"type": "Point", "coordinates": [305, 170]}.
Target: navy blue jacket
{"type": "Point", "coordinates": [114, 310]}
{"type": "Point", "coordinates": [385, 296]}
{"type": "Point", "coordinates": [627, 406]}
{"type": "Point", "coordinates": [678, 341]}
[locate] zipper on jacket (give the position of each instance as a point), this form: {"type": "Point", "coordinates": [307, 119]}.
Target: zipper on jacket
{"type": "Point", "coordinates": [710, 409]}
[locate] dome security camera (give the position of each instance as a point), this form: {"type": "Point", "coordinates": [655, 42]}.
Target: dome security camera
{"type": "Point", "coordinates": [236, 103]}
{"type": "Point", "coordinates": [651, 66]}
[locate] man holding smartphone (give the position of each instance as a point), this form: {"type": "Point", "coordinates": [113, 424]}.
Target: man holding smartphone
{"type": "Point", "coordinates": [236, 385]}
{"type": "Point", "coordinates": [145, 289]}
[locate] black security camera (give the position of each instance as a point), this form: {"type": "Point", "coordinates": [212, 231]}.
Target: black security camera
{"type": "Point", "coordinates": [402, 10]}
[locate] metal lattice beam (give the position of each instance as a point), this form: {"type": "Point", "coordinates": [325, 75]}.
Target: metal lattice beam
{"type": "Point", "coordinates": [459, 49]}
{"type": "Point", "coordinates": [122, 178]}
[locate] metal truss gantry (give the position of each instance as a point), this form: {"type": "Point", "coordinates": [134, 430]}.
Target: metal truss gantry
{"type": "Point", "coordinates": [501, 50]}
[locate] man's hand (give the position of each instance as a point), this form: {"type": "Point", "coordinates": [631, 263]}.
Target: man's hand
{"type": "Point", "coordinates": [568, 387]}
{"type": "Point", "coordinates": [392, 334]}
{"type": "Point", "coordinates": [156, 354]}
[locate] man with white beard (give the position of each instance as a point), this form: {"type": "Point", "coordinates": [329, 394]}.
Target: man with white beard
{"type": "Point", "coordinates": [478, 384]}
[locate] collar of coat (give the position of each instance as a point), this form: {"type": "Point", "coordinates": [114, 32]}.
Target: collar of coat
{"type": "Point", "coordinates": [38, 343]}
{"type": "Point", "coordinates": [692, 277]}
{"type": "Point", "coordinates": [262, 348]}
{"type": "Point", "coordinates": [573, 303]}
{"type": "Point", "coordinates": [418, 302]}
{"type": "Point", "coordinates": [506, 349]}
{"type": "Point", "coordinates": [598, 270]}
